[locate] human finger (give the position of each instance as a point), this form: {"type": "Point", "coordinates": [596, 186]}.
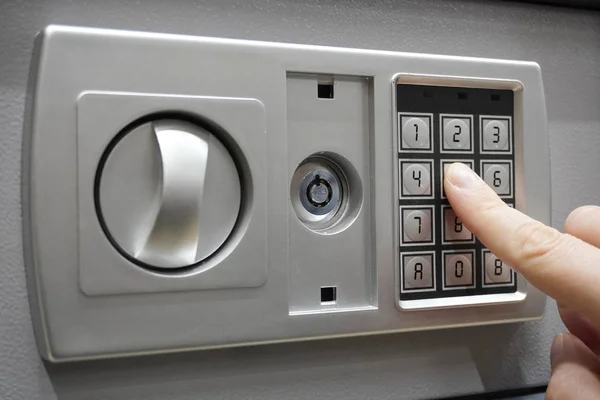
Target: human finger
{"type": "Point", "coordinates": [584, 223]}
{"type": "Point", "coordinates": [581, 327]}
{"type": "Point", "coordinates": [575, 370]}
{"type": "Point", "coordinates": [561, 265]}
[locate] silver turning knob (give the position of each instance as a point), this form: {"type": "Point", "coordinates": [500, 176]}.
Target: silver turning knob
{"type": "Point", "coordinates": [169, 194]}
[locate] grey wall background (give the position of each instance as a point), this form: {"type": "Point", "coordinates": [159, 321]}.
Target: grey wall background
{"type": "Point", "coordinates": [409, 366]}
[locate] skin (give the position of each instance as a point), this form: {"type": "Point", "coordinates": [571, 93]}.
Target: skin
{"type": "Point", "coordinates": [544, 256]}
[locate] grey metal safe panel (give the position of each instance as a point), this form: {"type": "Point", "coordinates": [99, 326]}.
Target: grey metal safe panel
{"type": "Point", "coordinates": [156, 166]}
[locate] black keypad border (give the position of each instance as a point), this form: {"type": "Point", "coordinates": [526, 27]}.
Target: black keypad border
{"type": "Point", "coordinates": [472, 102]}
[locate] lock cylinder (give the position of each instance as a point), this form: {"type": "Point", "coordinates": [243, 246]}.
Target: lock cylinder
{"type": "Point", "coordinates": [326, 193]}
{"type": "Point", "coordinates": [320, 191]}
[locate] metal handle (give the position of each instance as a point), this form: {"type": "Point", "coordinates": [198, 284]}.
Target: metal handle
{"type": "Point", "coordinates": [173, 238]}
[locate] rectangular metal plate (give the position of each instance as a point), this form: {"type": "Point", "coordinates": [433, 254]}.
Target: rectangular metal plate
{"type": "Point", "coordinates": [355, 118]}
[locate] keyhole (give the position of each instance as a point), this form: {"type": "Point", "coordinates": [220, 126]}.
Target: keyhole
{"type": "Point", "coordinates": [319, 192]}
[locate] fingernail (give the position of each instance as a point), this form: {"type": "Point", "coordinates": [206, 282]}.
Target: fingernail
{"type": "Point", "coordinates": [461, 176]}
{"type": "Point", "coordinates": [557, 349]}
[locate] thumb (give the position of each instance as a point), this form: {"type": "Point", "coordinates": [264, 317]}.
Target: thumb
{"type": "Point", "coordinates": [575, 370]}
{"type": "Point", "coordinates": [568, 349]}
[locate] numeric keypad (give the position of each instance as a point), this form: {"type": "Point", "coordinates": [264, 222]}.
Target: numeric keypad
{"type": "Point", "coordinates": [437, 126]}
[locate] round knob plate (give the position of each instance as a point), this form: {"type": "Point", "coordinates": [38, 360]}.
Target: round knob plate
{"type": "Point", "coordinates": [169, 194]}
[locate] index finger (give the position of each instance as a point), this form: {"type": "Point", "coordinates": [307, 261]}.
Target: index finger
{"type": "Point", "coordinates": [560, 265]}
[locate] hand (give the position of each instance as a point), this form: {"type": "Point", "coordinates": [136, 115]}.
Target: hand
{"type": "Point", "coordinates": [564, 266]}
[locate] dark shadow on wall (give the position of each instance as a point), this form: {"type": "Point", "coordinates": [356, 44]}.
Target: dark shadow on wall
{"type": "Point", "coordinates": [588, 4]}
{"type": "Point", "coordinates": [534, 393]}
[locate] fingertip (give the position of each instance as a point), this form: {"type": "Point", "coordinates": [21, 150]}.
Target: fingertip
{"type": "Point", "coordinates": [569, 349]}
{"type": "Point", "coordinates": [461, 176]}
{"type": "Point", "coordinates": [566, 347]}
{"type": "Point", "coordinates": [475, 203]}
{"type": "Point", "coordinates": [574, 371]}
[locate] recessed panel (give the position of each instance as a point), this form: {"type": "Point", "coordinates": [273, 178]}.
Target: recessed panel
{"type": "Point", "coordinates": [330, 223]}
{"type": "Point", "coordinates": [471, 125]}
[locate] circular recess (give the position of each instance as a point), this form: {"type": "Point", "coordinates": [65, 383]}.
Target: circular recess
{"type": "Point", "coordinates": [168, 194]}
{"type": "Point", "coordinates": [326, 193]}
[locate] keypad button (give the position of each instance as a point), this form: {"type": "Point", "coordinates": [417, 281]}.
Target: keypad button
{"type": "Point", "coordinates": [454, 230]}
{"type": "Point", "coordinates": [416, 179]}
{"type": "Point", "coordinates": [497, 174]}
{"type": "Point", "coordinates": [457, 134]}
{"type": "Point", "coordinates": [418, 271]}
{"type": "Point", "coordinates": [417, 225]}
{"type": "Point", "coordinates": [495, 272]}
{"type": "Point", "coordinates": [415, 133]}
{"type": "Point", "coordinates": [496, 134]}
{"type": "Point", "coordinates": [458, 270]}
{"type": "Point", "coordinates": [443, 165]}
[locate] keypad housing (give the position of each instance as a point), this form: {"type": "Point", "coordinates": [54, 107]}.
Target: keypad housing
{"type": "Point", "coordinates": [436, 126]}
